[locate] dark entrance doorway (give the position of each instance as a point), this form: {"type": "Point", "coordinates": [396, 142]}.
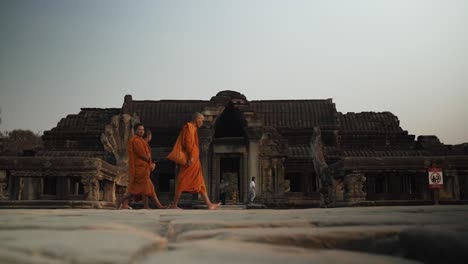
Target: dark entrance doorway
{"type": "Point", "coordinates": [230, 173]}
{"type": "Point", "coordinates": [163, 179]}
{"type": "Point", "coordinates": [230, 124]}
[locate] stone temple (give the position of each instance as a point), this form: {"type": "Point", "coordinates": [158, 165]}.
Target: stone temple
{"type": "Point", "coordinates": [303, 153]}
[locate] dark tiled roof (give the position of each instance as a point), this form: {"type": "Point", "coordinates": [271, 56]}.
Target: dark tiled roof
{"type": "Point", "coordinates": [277, 113]}
{"type": "Point", "coordinates": [383, 122]}
{"type": "Point", "coordinates": [296, 113]}
{"type": "Point", "coordinates": [304, 152]}
{"type": "Point", "coordinates": [166, 113]}
{"type": "Point", "coordinates": [88, 120]}
{"type": "Point", "coordinates": [82, 131]}
{"type": "Point", "coordinates": [73, 153]}
{"type": "Point", "coordinates": [384, 153]}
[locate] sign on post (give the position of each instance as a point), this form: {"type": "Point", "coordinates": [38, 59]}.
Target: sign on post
{"type": "Point", "coordinates": [436, 178]}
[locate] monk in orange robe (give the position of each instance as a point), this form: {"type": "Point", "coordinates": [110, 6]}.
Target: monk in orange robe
{"type": "Point", "coordinates": [190, 177]}
{"type": "Point", "coordinates": [139, 168]}
{"type": "Point", "coordinates": [147, 137]}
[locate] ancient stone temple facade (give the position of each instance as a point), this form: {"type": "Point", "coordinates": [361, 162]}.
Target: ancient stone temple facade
{"type": "Point", "coordinates": [302, 153]}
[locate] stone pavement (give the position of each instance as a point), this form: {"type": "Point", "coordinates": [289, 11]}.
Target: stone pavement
{"type": "Point", "coordinates": [417, 234]}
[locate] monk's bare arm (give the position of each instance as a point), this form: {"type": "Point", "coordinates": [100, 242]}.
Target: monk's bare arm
{"type": "Point", "coordinates": [139, 150]}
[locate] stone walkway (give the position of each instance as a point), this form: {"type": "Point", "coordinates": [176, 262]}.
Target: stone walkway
{"type": "Point", "coordinates": [418, 234]}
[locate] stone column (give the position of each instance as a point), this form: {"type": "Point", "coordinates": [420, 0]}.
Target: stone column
{"type": "Point", "coordinates": [109, 191]}
{"type": "Point", "coordinates": [13, 187]}
{"type": "Point", "coordinates": [32, 188]}
{"type": "Point", "coordinates": [353, 187]}
{"type": "Point", "coordinates": [215, 173]}
{"type": "Point", "coordinates": [205, 137]}
{"type": "Point", "coordinates": [20, 188]}
{"type": "Point", "coordinates": [4, 195]}
{"type": "Point", "coordinates": [336, 190]}
{"type": "Point", "coordinates": [254, 151]}
{"type": "Point", "coordinates": [120, 191]}
{"type": "Point", "coordinates": [266, 178]}
{"type": "Point", "coordinates": [453, 183]}
{"type": "Point", "coordinates": [244, 178]}
{"type": "Point", "coordinates": [278, 166]}
{"type": "Point", "coordinates": [205, 161]}
{"type": "Point", "coordinates": [91, 189]}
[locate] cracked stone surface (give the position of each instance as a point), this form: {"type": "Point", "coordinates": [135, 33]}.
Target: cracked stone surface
{"type": "Point", "coordinates": [422, 234]}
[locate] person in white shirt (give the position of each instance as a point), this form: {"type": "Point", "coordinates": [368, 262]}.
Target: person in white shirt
{"type": "Point", "coordinates": [252, 193]}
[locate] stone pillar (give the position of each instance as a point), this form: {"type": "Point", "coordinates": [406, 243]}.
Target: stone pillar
{"type": "Point", "coordinates": [335, 190]}
{"type": "Point", "coordinates": [120, 191]}
{"type": "Point", "coordinates": [205, 161]}
{"type": "Point", "coordinates": [205, 137]}
{"type": "Point", "coordinates": [353, 187]}
{"type": "Point", "coordinates": [109, 191]}
{"type": "Point", "coordinates": [254, 151]}
{"type": "Point", "coordinates": [244, 177]}
{"type": "Point", "coordinates": [4, 195]}
{"type": "Point", "coordinates": [266, 178]}
{"type": "Point", "coordinates": [278, 166]}
{"type": "Point", "coordinates": [20, 188]}
{"type": "Point", "coordinates": [91, 189]}
{"type": "Point", "coordinates": [215, 179]}
{"type": "Point", "coordinates": [13, 187]}
{"type": "Point", "coordinates": [32, 188]}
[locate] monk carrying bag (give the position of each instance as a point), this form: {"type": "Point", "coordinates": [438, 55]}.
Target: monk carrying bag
{"type": "Point", "coordinates": [177, 154]}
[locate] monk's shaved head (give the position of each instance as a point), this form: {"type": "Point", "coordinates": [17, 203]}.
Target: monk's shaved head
{"type": "Point", "coordinates": [196, 115]}
{"type": "Point", "coordinates": [197, 119]}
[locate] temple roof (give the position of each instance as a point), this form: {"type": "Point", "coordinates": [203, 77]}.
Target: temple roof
{"type": "Point", "coordinates": [277, 113]}
{"type": "Point", "coordinates": [304, 152]}
{"type": "Point", "coordinates": [294, 119]}
{"type": "Point", "coordinates": [384, 153]}
{"type": "Point", "coordinates": [87, 120]}
{"type": "Point", "coordinates": [383, 122]}
{"type": "Point", "coordinates": [296, 113]}
{"type": "Point", "coordinates": [166, 113]}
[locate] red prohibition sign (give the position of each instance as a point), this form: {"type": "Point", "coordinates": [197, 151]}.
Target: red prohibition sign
{"type": "Point", "coordinates": [435, 177]}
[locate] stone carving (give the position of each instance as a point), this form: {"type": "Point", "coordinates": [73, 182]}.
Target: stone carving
{"type": "Point", "coordinates": [286, 186]}
{"type": "Point", "coordinates": [353, 187]}
{"type": "Point", "coordinates": [91, 189]}
{"type": "Point", "coordinates": [317, 152]}
{"type": "Point", "coordinates": [272, 144]}
{"type": "Point", "coordinates": [109, 191]}
{"type": "Point", "coordinates": [115, 138]}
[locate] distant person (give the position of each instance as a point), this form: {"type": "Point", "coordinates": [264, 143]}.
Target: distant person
{"type": "Point", "coordinates": [252, 192]}
{"type": "Point", "coordinates": [140, 166]}
{"type": "Point", "coordinates": [190, 177]}
{"type": "Point", "coordinates": [223, 189]}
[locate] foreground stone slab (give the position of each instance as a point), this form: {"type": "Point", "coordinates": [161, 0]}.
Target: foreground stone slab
{"type": "Point", "coordinates": [213, 252]}
{"type": "Point", "coordinates": [424, 234]}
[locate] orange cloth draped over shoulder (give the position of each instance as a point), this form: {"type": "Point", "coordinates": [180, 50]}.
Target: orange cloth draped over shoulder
{"type": "Point", "coordinates": [190, 178]}
{"type": "Point", "coordinates": [138, 169]}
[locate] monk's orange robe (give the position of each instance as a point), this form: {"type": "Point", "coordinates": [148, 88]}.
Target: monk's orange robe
{"type": "Point", "coordinates": [138, 169]}
{"type": "Point", "coordinates": [190, 179]}
{"type": "Point", "coordinates": [151, 158]}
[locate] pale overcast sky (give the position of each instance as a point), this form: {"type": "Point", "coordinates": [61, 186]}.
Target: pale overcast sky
{"type": "Point", "coordinates": [409, 57]}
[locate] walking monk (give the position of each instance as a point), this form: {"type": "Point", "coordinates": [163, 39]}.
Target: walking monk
{"type": "Point", "coordinates": [190, 177]}
{"type": "Point", "coordinates": [139, 169]}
